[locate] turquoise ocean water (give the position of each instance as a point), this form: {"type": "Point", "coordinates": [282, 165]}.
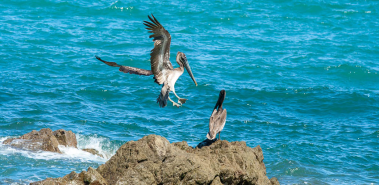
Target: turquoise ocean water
{"type": "Point", "coordinates": [301, 81]}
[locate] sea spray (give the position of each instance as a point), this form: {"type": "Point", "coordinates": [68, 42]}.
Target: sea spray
{"type": "Point", "coordinates": [101, 144]}
{"type": "Point", "coordinates": [68, 153]}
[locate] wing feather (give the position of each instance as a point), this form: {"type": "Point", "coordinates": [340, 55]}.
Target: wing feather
{"type": "Point", "coordinates": [216, 123]}
{"type": "Point", "coordinates": [163, 96]}
{"type": "Point", "coordinates": [212, 131]}
{"type": "Point", "coordinates": [160, 54]}
{"type": "Point", "coordinates": [221, 120]}
{"type": "Point", "coordinates": [127, 69]}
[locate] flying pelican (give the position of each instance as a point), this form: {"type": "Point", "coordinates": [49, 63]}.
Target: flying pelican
{"type": "Point", "coordinates": [218, 118]}
{"type": "Point", "coordinates": [161, 67]}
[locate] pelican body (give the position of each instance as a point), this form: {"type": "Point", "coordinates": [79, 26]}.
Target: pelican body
{"type": "Point", "coordinates": [161, 67]}
{"type": "Point", "coordinates": [218, 118]}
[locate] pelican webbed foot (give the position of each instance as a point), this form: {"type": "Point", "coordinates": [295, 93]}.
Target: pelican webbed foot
{"type": "Point", "coordinates": [182, 100]}
{"type": "Point", "coordinates": [173, 103]}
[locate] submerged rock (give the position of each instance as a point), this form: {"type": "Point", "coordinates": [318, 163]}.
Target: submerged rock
{"type": "Point", "coordinates": [93, 151]}
{"type": "Point", "coordinates": [153, 160]}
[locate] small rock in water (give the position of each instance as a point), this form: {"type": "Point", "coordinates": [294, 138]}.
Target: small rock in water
{"type": "Point", "coordinates": [66, 138]}
{"type": "Point", "coordinates": [42, 140]}
{"type": "Point", "coordinates": [93, 151]}
{"type": "Point", "coordinates": [45, 140]}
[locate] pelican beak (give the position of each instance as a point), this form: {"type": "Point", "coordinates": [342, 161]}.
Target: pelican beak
{"type": "Point", "coordinates": [186, 65]}
{"type": "Point", "coordinates": [221, 97]}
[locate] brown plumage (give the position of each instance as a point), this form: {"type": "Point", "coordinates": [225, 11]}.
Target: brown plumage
{"type": "Point", "coordinates": [127, 69]}
{"type": "Point", "coordinates": [218, 118]}
{"type": "Point", "coordinates": [163, 96]}
{"type": "Point", "coordinates": [161, 67]}
{"type": "Point", "coordinates": [160, 54]}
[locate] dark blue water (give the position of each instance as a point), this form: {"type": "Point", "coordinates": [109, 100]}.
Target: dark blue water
{"type": "Point", "coordinates": [301, 81]}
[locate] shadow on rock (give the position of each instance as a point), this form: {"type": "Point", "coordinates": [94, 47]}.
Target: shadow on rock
{"type": "Point", "coordinates": [206, 142]}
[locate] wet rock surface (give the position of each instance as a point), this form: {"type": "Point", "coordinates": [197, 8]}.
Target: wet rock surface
{"type": "Point", "coordinates": [66, 138]}
{"type": "Point", "coordinates": [93, 151]}
{"type": "Point", "coordinates": [36, 140]}
{"type": "Point", "coordinates": [154, 160]}
{"type": "Point", "coordinates": [47, 140]}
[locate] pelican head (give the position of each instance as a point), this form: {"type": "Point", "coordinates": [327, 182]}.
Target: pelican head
{"type": "Point", "coordinates": [181, 59]}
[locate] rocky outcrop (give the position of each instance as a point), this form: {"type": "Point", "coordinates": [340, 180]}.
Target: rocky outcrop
{"type": "Point", "coordinates": [42, 140]}
{"type": "Point", "coordinates": [66, 138]}
{"type": "Point", "coordinates": [153, 160]}
{"type": "Point", "coordinates": [47, 140]}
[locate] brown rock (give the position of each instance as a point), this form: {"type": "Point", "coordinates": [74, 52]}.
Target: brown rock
{"type": "Point", "coordinates": [72, 178]}
{"type": "Point", "coordinates": [216, 181]}
{"type": "Point", "coordinates": [92, 177]}
{"type": "Point", "coordinates": [153, 160]}
{"type": "Point", "coordinates": [89, 177]}
{"type": "Point", "coordinates": [93, 151]}
{"type": "Point", "coordinates": [66, 138]}
{"type": "Point", "coordinates": [42, 140]}
{"type": "Point", "coordinates": [274, 181]}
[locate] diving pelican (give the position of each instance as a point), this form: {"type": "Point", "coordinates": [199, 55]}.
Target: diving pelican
{"type": "Point", "coordinates": [218, 118]}
{"type": "Point", "coordinates": [161, 67]}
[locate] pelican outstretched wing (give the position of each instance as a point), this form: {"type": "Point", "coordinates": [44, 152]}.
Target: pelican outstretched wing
{"type": "Point", "coordinates": [127, 69]}
{"type": "Point", "coordinates": [160, 54]}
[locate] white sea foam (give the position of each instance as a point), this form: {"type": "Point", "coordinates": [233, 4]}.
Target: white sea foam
{"type": "Point", "coordinates": [68, 153]}
{"type": "Point", "coordinates": [120, 5]}
{"type": "Point", "coordinates": [101, 144]}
